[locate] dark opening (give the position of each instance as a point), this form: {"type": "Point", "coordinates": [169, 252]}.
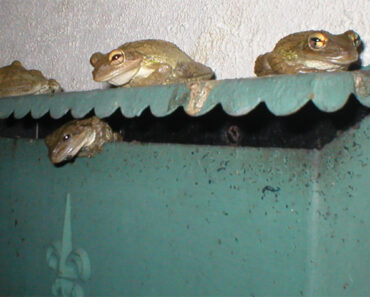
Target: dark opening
{"type": "Point", "coordinates": [308, 128]}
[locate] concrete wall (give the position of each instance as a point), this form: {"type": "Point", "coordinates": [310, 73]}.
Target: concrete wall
{"type": "Point", "coordinates": [58, 37]}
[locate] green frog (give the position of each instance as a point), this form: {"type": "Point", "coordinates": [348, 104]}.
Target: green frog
{"type": "Point", "coordinates": [81, 138]}
{"type": "Point", "coordinates": [15, 80]}
{"type": "Point", "coordinates": [147, 62]}
{"type": "Point", "coordinates": [310, 51]}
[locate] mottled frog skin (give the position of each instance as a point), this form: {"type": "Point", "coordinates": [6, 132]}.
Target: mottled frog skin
{"type": "Point", "coordinates": [81, 138]}
{"type": "Point", "coordinates": [147, 62]}
{"type": "Point", "coordinates": [310, 51]}
{"type": "Point", "coordinates": [15, 80]}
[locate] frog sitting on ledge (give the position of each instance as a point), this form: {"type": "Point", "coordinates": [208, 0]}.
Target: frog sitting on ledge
{"type": "Point", "coordinates": [15, 80]}
{"type": "Point", "coordinates": [310, 51]}
{"type": "Point", "coordinates": [147, 62]}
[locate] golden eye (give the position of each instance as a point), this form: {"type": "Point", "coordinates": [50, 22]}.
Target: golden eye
{"type": "Point", "coordinates": [356, 39]}
{"type": "Point", "coordinates": [116, 57]}
{"type": "Point", "coordinates": [317, 41]}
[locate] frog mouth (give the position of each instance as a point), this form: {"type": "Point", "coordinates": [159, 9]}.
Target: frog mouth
{"type": "Point", "coordinates": [344, 57]}
{"type": "Point", "coordinates": [332, 64]}
{"type": "Point", "coordinates": [66, 153]}
{"type": "Point", "coordinates": [117, 75]}
{"type": "Point", "coordinates": [122, 78]}
{"type": "Point", "coordinates": [344, 60]}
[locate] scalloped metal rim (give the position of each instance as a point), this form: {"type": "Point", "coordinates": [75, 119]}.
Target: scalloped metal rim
{"type": "Point", "coordinates": [282, 94]}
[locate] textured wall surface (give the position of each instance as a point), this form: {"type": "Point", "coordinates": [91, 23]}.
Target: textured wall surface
{"type": "Point", "coordinates": [58, 37]}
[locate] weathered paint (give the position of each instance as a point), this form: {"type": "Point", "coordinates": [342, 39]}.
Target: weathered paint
{"type": "Point", "coordinates": [158, 219]}
{"type": "Point", "coordinates": [282, 94]}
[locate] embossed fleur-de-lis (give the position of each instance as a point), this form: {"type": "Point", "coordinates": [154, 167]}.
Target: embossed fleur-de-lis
{"type": "Point", "coordinates": [71, 265]}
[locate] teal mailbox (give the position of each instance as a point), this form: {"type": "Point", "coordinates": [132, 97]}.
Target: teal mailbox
{"type": "Point", "coordinates": [145, 219]}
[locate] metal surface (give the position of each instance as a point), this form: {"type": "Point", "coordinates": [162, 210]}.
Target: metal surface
{"type": "Point", "coordinates": [171, 220]}
{"type": "Point", "coordinates": [282, 94]}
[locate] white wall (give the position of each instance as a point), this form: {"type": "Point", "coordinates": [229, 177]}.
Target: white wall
{"type": "Point", "coordinates": [59, 36]}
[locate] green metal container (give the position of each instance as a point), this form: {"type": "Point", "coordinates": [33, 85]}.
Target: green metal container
{"type": "Point", "coordinates": [189, 220]}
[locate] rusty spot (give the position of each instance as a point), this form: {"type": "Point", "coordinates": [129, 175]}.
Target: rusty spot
{"type": "Point", "coordinates": [312, 95]}
{"type": "Point", "coordinates": [362, 82]}
{"type": "Point", "coordinates": [199, 92]}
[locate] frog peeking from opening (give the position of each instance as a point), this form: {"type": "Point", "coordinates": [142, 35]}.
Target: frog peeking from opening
{"type": "Point", "coordinates": [81, 138]}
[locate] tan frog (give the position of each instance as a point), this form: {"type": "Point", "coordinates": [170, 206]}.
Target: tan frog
{"type": "Point", "coordinates": [147, 62]}
{"type": "Point", "coordinates": [310, 51]}
{"type": "Point", "coordinates": [79, 137]}
{"type": "Point", "coordinates": [15, 80]}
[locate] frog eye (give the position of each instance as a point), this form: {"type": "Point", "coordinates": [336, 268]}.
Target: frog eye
{"type": "Point", "coordinates": [66, 137]}
{"type": "Point", "coordinates": [317, 41]}
{"type": "Point", "coordinates": [356, 39]}
{"type": "Point", "coordinates": [116, 57]}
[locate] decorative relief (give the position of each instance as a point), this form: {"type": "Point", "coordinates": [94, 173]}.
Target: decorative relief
{"type": "Point", "coordinates": [71, 265]}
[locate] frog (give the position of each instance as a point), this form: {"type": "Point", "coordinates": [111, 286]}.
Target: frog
{"type": "Point", "coordinates": [147, 62]}
{"type": "Point", "coordinates": [15, 80]}
{"type": "Point", "coordinates": [310, 51]}
{"type": "Point", "coordinates": [82, 138]}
